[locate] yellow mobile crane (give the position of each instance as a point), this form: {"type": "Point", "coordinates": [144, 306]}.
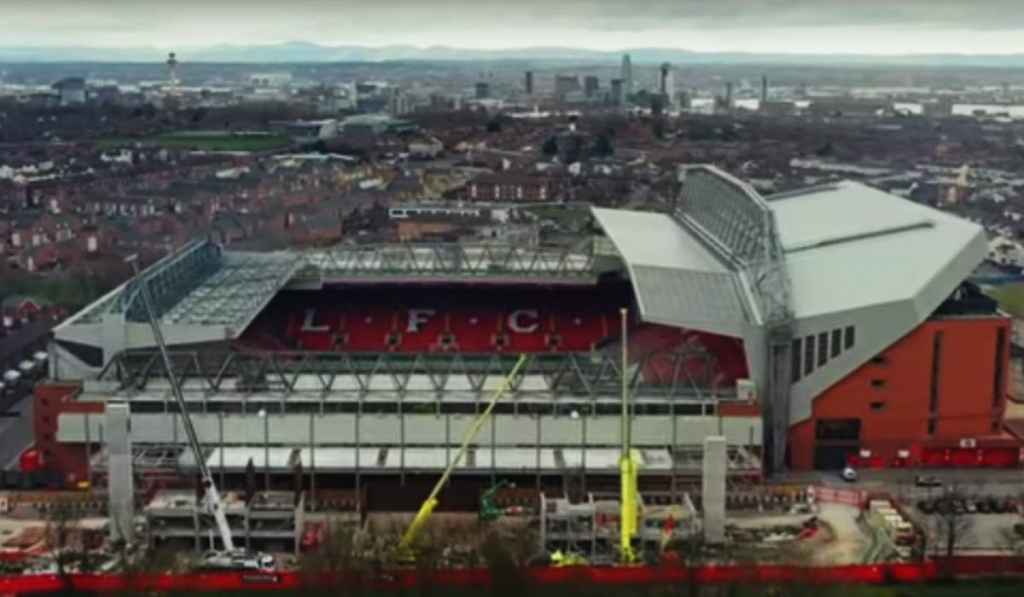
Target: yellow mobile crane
{"type": "Point", "coordinates": [628, 480]}
{"type": "Point", "coordinates": [417, 524]}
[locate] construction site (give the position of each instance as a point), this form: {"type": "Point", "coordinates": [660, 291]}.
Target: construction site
{"type": "Point", "coordinates": [640, 396]}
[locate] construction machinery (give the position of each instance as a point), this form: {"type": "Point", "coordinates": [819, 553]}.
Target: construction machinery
{"type": "Point", "coordinates": [489, 510]}
{"type": "Point", "coordinates": [417, 524]}
{"type": "Point", "coordinates": [628, 466]}
{"type": "Point", "coordinates": [231, 557]}
{"type": "Point", "coordinates": [628, 474]}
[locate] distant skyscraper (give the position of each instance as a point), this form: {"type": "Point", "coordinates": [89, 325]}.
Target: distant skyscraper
{"type": "Point", "coordinates": [591, 84]}
{"type": "Point", "coordinates": [627, 74]}
{"type": "Point", "coordinates": [618, 92]}
{"type": "Point", "coordinates": [528, 82]}
{"type": "Point", "coordinates": [667, 83]}
{"type": "Point", "coordinates": [764, 88]}
{"type": "Point", "coordinates": [483, 90]}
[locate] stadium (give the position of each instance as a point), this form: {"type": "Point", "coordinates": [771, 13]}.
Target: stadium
{"type": "Point", "coordinates": [811, 329]}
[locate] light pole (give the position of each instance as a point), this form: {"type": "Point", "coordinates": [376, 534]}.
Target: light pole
{"type": "Point", "coordinates": [266, 449]}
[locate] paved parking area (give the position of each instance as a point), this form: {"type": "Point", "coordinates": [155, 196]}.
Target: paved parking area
{"type": "Point", "coordinates": [15, 432]}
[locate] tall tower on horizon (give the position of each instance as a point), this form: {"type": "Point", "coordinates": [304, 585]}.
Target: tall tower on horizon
{"type": "Point", "coordinates": [667, 84]}
{"type": "Point", "coordinates": [172, 70]}
{"type": "Point", "coordinates": [627, 74]}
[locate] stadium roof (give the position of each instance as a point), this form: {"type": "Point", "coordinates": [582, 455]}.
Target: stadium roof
{"type": "Point", "coordinates": [677, 280]}
{"type": "Point", "coordinates": [852, 256]}
{"type": "Point", "coordinates": [850, 246]}
{"type": "Point", "coordinates": [847, 246]}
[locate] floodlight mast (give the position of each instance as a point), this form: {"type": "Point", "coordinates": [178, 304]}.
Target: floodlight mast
{"type": "Point", "coordinates": [211, 497]}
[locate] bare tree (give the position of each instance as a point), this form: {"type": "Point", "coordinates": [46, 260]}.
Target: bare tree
{"type": "Point", "coordinates": [341, 558]}
{"type": "Point", "coordinates": [951, 526]}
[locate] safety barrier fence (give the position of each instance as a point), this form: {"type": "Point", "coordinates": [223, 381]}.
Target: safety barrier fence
{"type": "Point", "coordinates": [939, 569]}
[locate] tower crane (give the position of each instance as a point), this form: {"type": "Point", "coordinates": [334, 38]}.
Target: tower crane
{"type": "Point", "coordinates": [231, 557]}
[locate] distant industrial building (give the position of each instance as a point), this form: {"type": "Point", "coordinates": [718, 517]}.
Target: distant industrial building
{"type": "Point", "coordinates": [310, 131]}
{"type": "Point", "coordinates": [940, 108]}
{"type": "Point", "coordinates": [565, 85]}
{"type": "Point", "coordinates": [776, 108]}
{"type": "Point", "coordinates": [849, 107]}
{"type": "Point", "coordinates": [70, 91]}
{"type": "Point", "coordinates": [270, 79]}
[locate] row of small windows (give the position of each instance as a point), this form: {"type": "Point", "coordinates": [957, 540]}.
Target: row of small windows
{"type": "Point", "coordinates": [813, 351]}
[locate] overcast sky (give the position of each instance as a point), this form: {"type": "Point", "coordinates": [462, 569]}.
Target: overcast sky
{"type": "Point", "coordinates": [825, 26]}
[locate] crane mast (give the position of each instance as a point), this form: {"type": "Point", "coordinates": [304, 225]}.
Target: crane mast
{"type": "Point", "coordinates": [417, 524]}
{"type": "Point", "coordinates": [211, 497]}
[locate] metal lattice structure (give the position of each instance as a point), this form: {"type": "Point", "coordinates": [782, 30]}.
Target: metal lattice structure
{"type": "Point", "coordinates": [736, 222]}
{"type": "Point", "coordinates": [201, 284]}
{"type": "Point", "coordinates": [396, 375]}
{"type": "Point", "coordinates": [454, 261]}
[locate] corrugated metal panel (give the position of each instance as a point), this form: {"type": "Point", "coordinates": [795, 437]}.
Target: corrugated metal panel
{"type": "Point", "coordinates": [687, 297]}
{"type": "Point", "coordinates": [424, 429]}
{"type": "Point", "coordinates": [561, 431]}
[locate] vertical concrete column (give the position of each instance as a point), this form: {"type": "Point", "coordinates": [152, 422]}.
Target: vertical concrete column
{"type": "Point", "coordinates": [713, 492]}
{"type": "Point", "coordinates": [120, 488]}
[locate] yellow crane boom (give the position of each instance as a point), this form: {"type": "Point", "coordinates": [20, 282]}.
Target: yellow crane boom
{"type": "Point", "coordinates": [411, 533]}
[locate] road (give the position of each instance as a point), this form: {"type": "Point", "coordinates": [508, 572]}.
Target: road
{"type": "Point", "coordinates": [15, 432]}
{"type": "Point", "coordinates": [900, 483]}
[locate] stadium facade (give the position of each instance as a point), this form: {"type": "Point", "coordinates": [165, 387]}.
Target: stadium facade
{"type": "Point", "coordinates": [811, 329]}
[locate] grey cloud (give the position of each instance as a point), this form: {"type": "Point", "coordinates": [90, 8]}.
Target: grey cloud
{"type": "Point", "coordinates": [333, 21]}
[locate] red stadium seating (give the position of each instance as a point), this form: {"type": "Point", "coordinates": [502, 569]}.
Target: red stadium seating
{"type": "Point", "coordinates": [463, 319]}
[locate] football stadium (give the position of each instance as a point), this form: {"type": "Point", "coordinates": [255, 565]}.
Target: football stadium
{"type": "Point", "coordinates": [814, 329]}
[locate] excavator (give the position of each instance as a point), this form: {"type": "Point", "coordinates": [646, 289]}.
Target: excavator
{"type": "Point", "coordinates": [489, 510]}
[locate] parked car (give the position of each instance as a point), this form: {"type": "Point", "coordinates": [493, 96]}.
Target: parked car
{"type": "Point", "coordinates": [927, 481]}
{"type": "Point", "coordinates": [849, 475]}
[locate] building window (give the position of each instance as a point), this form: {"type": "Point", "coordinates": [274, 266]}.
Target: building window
{"type": "Point", "coordinates": [848, 338]}
{"type": "Point", "coordinates": [795, 365]}
{"type": "Point", "coordinates": [931, 426]}
{"type": "Point", "coordinates": [877, 383]}
{"type": "Point", "coordinates": [808, 355]}
{"type": "Point", "coordinates": [822, 348]}
{"type": "Point", "coordinates": [836, 343]}
{"type": "Point", "coordinates": [933, 399]}
{"type": "Point", "coordinates": [877, 406]}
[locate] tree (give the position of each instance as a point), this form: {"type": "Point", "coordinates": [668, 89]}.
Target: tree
{"type": "Point", "coordinates": [950, 525]}
{"type": "Point", "coordinates": [603, 146]}
{"type": "Point", "coordinates": [550, 147]}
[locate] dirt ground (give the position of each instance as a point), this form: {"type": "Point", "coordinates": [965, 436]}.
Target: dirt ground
{"type": "Point", "coordinates": [848, 540]}
{"type": "Point", "coordinates": [839, 541]}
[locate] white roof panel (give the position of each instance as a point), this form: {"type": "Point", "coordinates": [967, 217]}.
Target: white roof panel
{"type": "Point", "coordinates": [851, 246]}
{"type": "Point", "coordinates": [655, 240]}
{"type": "Point", "coordinates": [676, 278]}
